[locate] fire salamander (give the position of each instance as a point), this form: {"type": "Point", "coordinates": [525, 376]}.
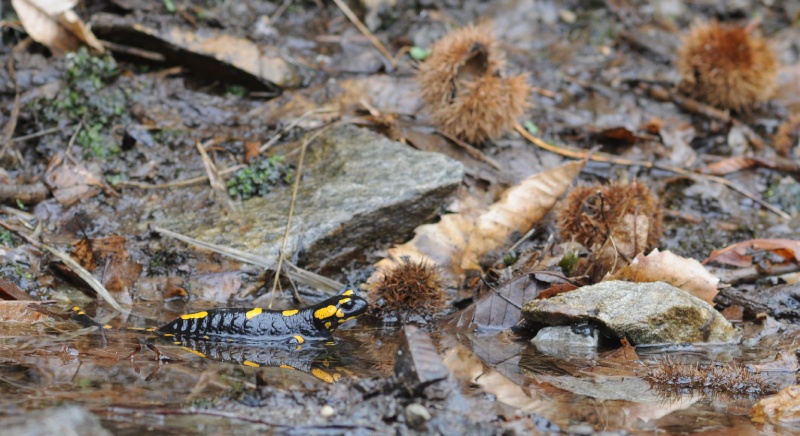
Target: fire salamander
{"type": "Point", "coordinates": [312, 323]}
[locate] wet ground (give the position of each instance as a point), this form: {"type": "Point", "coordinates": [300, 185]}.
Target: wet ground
{"type": "Point", "coordinates": [133, 124]}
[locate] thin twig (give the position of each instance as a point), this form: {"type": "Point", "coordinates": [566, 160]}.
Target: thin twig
{"type": "Point", "coordinates": [37, 134]}
{"type": "Point", "coordinates": [215, 181]}
{"type": "Point", "coordinates": [296, 273]}
{"type": "Point", "coordinates": [180, 183]}
{"type": "Point", "coordinates": [472, 151]}
{"type": "Point", "coordinates": [133, 51]}
{"type": "Point", "coordinates": [603, 157]}
{"type": "Point", "coordinates": [292, 125]}
{"type": "Point", "coordinates": [72, 265]}
{"type": "Point", "coordinates": [295, 188]}
{"type": "Point", "coordinates": [363, 29]}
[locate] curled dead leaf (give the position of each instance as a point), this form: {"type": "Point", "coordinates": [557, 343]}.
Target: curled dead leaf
{"type": "Point", "coordinates": [53, 23]}
{"type": "Point", "coordinates": [664, 266]}
{"type": "Point", "coordinates": [520, 207]}
{"type": "Point", "coordinates": [736, 254]}
{"type": "Point", "coordinates": [781, 408]}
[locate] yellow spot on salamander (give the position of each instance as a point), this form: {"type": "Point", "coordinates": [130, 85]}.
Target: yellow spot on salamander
{"type": "Point", "coordinates": [299, 339]}
{"type": "Point", "coordinates": [169, 335]}
{"type": "Point", "coordinates": [76, 309]}
{"type": "Point", "coordinates": [345, 320]}
{"type": "Point", "coordinates": [285, 366]}
{"type": "Point", "coordinates": [137, 329]}
{"type": "Point", "coordinates": [252, 313]}
{"type": "Point", "coordinates": [192, 351]}
{"type": "Point", "coordinates": [336, 376]}
{"type": "Point", "coordinates": [344, 300]}
{"type": "Point", "coordinates": [339, 313]}
{"type": "Point", "coordinates": [250, 364]}
{"type": "Point", "coordinates": [196, 315]}
{"type": "Point", "coordinates": [151, 329]}
{"type": "Point", "coordinates": [325, 312]}
{"type": "Point", "coordinates": [328, 325]}
{"type": "Point", "coordinates": [322, 375]}
{"type": "Point", "coordinates": [349, 292]}
{"type": "Point", "coordinates": [108, 327]}
{"type": "Point", "coordinates": [205, 337]}
{"type": "Point", "coordinates": [289, 312]}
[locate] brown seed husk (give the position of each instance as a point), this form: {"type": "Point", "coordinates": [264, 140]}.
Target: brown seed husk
{"type": "Point", "coordinates": [464, 86]}
{"type": "Point", "coordinates": [726, 66]}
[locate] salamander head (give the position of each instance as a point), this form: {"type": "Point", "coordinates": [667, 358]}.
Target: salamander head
{"type": "Point", "coordinates": [333, 312]}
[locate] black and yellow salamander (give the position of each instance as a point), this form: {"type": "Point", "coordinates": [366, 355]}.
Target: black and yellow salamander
{"type": "Point", "coordinates": [312, 323]}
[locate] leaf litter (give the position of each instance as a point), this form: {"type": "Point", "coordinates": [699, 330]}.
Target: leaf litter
{"type": "Point", "coordinates": [468, 246]}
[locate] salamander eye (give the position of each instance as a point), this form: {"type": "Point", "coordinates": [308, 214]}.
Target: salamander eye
{"type": "Point", "coordinates": [349, 305]}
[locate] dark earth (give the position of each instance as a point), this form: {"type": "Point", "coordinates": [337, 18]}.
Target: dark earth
{"type": "Point", "coordinates": [103, 152]}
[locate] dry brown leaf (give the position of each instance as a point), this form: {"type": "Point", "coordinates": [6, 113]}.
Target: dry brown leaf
{"type": "Point", "coordinates": [71, 183]}
{"type": "Point", "coordinates": [53, 23]}
{"type": "Point", "coordinates": [781, 408]}
{"type": "Point", "coordinates": [520, 207]}
{"type": "Point", "coordinates": [683, 273]}
{"type": "Point", "coordinates": [736, 254]}
{"type": "Point", "coordinates": [19, 312]}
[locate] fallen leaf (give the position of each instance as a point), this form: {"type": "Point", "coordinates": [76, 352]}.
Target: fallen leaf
{"type": "Point", "coordinates": [121, 272]}
{"type": "Point", "coordinates": [501, 308]}
{"type": "Point", "coordinates": [615, 137]}
{"type": "Point", "coordinates": [558, 288]}
{"type": "Point", "coordinates": [519, 208]}
{"type": "Point", "coordinates": [19, 312]}
{"type": "Point", "coordinates": [10, 291]}
{"type": "Point", "coordinates": [53, 23]}
{"type": "Point", "coordinates": [82, 252]}
{"type": "Point", "coordinates": [72, 183]}
{"type": "Point", "coordinates": [681, 272]}
{"type": "Point", "coordinates": [780, 409]}
{"type": "Point", "coordinates": [207, 51]}
{"type": "Point", "coordinates": [736, 254]}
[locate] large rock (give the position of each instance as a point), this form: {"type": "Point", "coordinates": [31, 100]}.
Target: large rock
{"type": "Point", "coordinates": [645, 313]}
{"type": "Point", "coordinates": [358, 188]}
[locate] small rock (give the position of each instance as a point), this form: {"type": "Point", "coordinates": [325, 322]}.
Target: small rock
{"type": "Point", "coordinates": [645, 313]}
{"type": "Point", "coordinates": [358, 188]}
{"type": "Point", "coordinates": [580, 429]}
{"type": "Point", "coordinates": [565, 343]}
{"type": "Point", "coordinates": [327, 411]}
{"type": "Point", "coordinates": [417, 415]}
{"type": "Point", "coordinates": [567, 16]}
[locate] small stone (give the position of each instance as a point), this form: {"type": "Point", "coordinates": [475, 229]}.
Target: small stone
{"type": "Point", "coordinates": [417, 415]}
{"type": "Point", "coordinates": [644, 313]}
{"type": "Point", "coordinates": [327, 411]}
{"type": "Point", "coordinates": [581, 429]}
{"type": "Point", "coordinates": [567, 16]}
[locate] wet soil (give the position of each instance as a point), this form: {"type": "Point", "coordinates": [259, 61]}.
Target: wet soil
{"type": "Point", "coordinates": [585, 58]}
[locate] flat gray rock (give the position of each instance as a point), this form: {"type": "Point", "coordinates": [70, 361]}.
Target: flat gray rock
{"type": "Point", "coordinates": [358, 188]}
{"type": "Point", "coordinates": [644, 313]}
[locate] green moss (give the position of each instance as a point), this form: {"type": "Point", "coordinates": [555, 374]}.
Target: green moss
{"type": "Point", "coordinates": [260, 177]}
{"type": "Point", "coordinates": [88, 100]}
{"type": "Point", "coordinates": [7, 238]}
{"type": "Point", "coordinates": [568, 262]}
